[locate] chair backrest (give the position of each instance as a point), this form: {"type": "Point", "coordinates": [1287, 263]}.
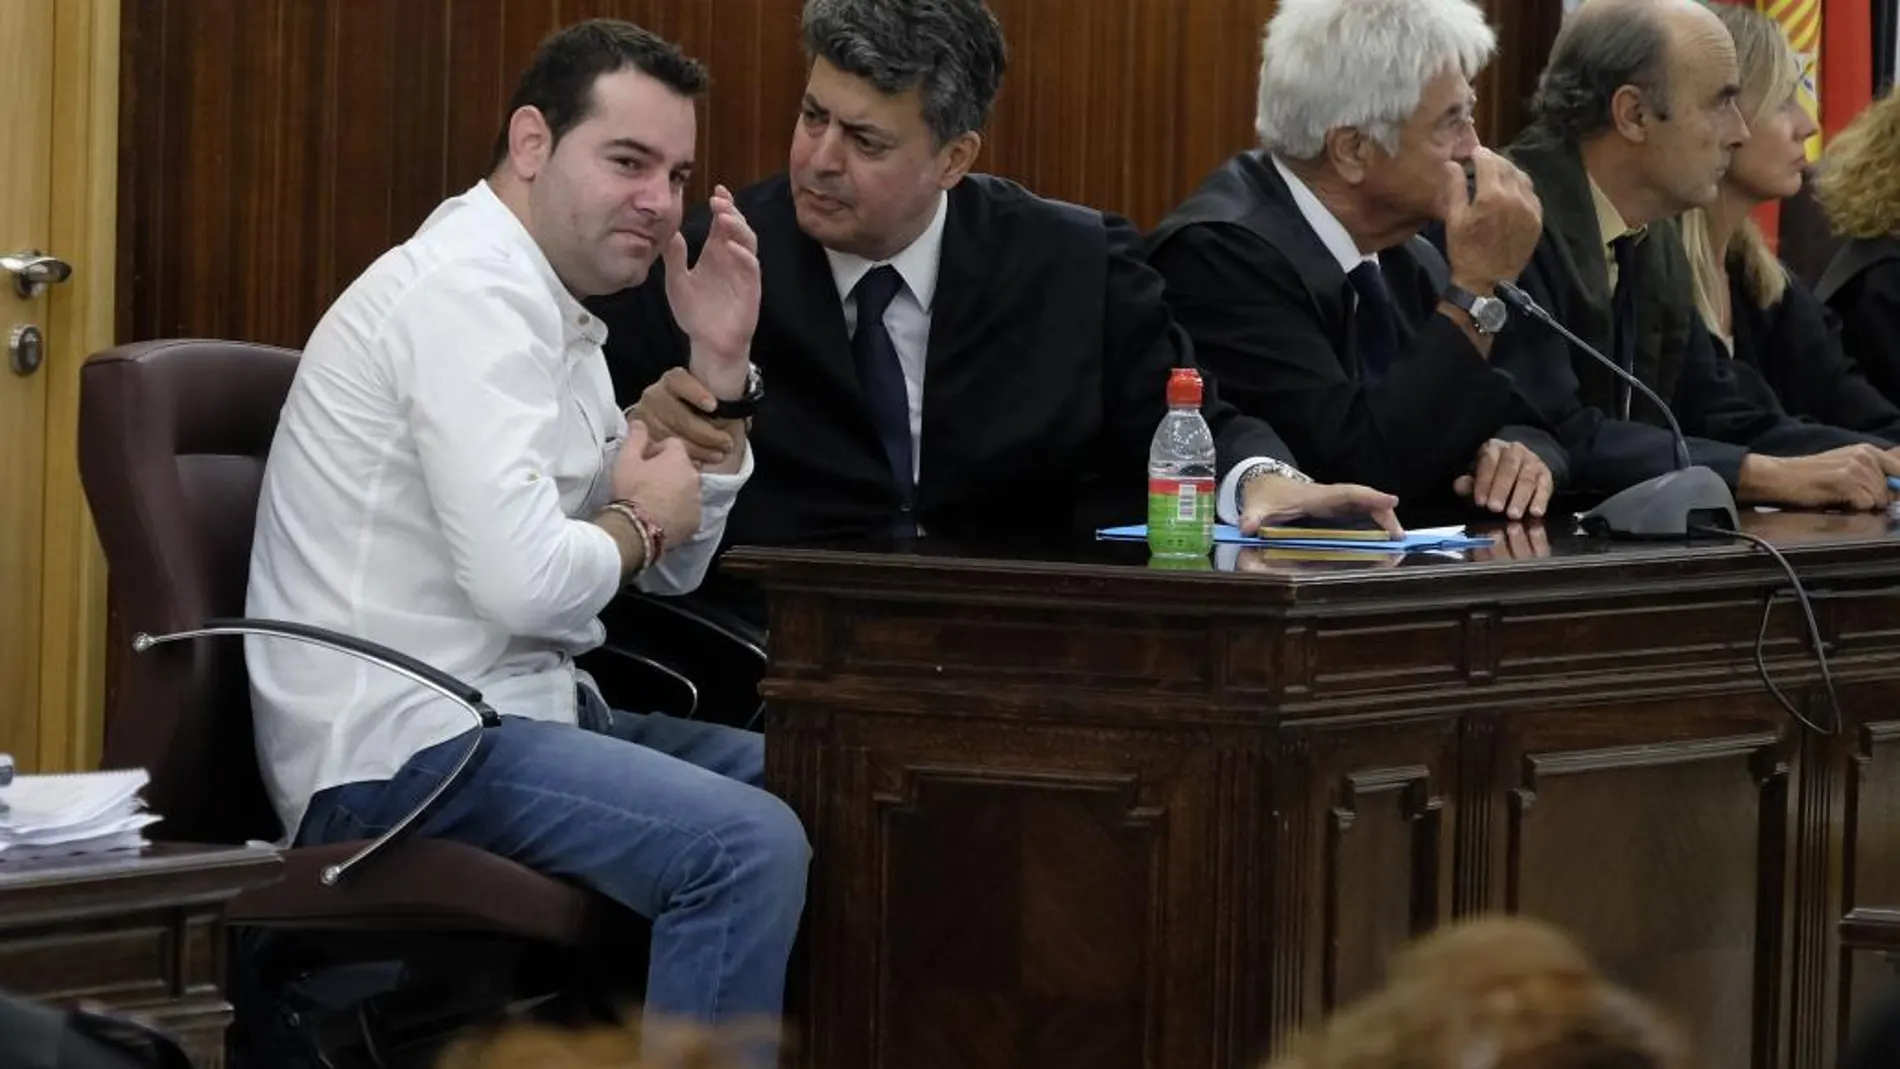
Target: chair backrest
{"type": "Point", "coordinates": [172, 441]}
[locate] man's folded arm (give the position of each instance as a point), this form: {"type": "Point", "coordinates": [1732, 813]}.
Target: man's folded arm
{"type": "Point", "coordinates": [1255, 328]}
{"type": "Point", "coordinates": [683, 567]}
{"type": "Point", "coordinates": [1605, 454]}
{"type": "Point", "coordinates": [485, 420]}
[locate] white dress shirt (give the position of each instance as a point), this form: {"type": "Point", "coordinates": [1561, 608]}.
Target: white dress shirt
{"type": "Point", "coordinates": [907, 320]}
{"type": "Point", "coordinates": [1332, 233]}
{"type": "Point", "coordinates": [450, 432]}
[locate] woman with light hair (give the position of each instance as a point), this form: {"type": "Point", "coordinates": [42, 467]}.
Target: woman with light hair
{"type": "Point", "coordinates": [1859, 186]}
{"type": "Point", "coordinates": [1494, 993]}
{"type": "Point", "coordinates": [1787, 352]}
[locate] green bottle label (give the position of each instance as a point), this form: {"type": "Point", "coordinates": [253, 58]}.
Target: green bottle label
{"type": "Point", "coordinates": [1181, 517]}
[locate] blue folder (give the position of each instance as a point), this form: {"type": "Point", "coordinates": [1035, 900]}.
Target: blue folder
{"type": "Point", "coordinates": [1225, 533]}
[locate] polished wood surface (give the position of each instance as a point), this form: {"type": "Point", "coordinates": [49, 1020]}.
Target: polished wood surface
{"type": "Point", "coordinates": [138, 932]}
{"type": "Point", "coordinates": [1071, 810]}
{"type": "Point", "coordinates": [271, 149]}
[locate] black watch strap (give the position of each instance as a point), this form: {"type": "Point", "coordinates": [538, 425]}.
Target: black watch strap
{"type": "Point", "coordinates": [743, 406]}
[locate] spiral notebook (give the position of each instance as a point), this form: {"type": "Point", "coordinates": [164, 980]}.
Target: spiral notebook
{"type": "Point", "coordinates": [74, 813]}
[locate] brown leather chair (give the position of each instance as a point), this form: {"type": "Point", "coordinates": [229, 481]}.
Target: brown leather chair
{"type": "Point", "coordinates": [172, 441]}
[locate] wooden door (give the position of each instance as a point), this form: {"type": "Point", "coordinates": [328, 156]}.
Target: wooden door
{"type": "Point", "coordinates": [59, 107]}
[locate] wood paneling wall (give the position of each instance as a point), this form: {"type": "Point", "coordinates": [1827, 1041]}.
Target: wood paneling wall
{"type": "Point", "coordinates": [270, 149]}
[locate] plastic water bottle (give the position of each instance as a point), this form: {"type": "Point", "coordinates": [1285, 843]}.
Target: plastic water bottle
{"type": "Point", "coordinates": [1181, 474]}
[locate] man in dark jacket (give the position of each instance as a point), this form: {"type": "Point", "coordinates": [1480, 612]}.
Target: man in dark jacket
{"type": "Point", "coordinates": [1636, 120]}
{"type": "Point", "coordinates": [1016, 369]}
{"type": "Point", "coordinates": [1290, 269]}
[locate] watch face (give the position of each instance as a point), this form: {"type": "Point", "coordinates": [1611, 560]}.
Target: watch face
{"type": "Point", "coordinates": [1489, 313]}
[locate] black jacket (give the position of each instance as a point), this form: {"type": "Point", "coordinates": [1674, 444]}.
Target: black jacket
{"type": "Point", "coordinates": [1675, 356]}
{"type": "Point", "coordinates": [1862, 286]}
{"type": "Point", "coordinates": [1271, 315]}
{"type": "Point", "coordinates": [1790, 354]}
{"type": "Point", "coordinates": [1049, 354]}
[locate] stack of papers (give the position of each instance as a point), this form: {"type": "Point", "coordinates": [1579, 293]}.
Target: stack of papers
{"type": "Point", "coordinates": [1437, 539]}
{"type": "Point", "coordinates": [79, 813]}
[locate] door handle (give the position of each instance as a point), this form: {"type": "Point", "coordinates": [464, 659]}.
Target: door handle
{"type": "Point", "coordinates": [33, 271]}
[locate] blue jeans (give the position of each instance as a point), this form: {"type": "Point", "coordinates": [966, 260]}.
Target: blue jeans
{"type": "Point", "coordinates": [662, 815]}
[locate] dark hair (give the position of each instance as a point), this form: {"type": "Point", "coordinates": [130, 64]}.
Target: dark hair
{"type": "Point", "coordinates": [952, 49]}
{"type": "Point", "coordinates": [560, 82]}
{"type": "Point", "coordinates": [1597, 52]}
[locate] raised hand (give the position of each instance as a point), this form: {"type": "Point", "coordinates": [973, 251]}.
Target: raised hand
{"type": "Point", "coordinates": [716, 301]}
{"type": "Point", "coordinates": [1490, 235]}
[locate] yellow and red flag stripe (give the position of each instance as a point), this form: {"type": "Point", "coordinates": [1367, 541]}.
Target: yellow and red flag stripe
{"type": "Point", "coordinates": [1837, 36]}
{"type": "Point", "coordinates": [1847, 70]}
{"type": "Point", "coordinates": [1801, 21]}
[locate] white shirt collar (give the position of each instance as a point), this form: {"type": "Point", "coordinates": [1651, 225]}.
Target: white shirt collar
{"type": "Point", "coordinates": [576, 320]}
{"type": "Point", "coordinates": [917, 263]}
{"type": "Point", "coordinates": [1332, 233]}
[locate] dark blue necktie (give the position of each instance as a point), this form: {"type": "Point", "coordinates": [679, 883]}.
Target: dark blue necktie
{"type": "Point", "coordinates": [1623, 315]}
{"type": "Point", "coordinates": [882, 378]}
{"type": "Point", "coordinates": [1375, 320]}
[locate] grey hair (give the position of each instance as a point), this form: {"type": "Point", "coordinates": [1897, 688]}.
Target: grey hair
{"type": "Point", "coordinates": [952, 50]}
{"type": "Point", "coordinates": [1599, 50]}
{"type": "Point", "coordinates": [1325, 64]}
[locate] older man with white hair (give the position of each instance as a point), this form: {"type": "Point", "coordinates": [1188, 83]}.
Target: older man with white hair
{"type": "Point", "coordinates": [1290, 268]}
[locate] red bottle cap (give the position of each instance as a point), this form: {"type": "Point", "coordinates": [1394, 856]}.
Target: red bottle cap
{"type": "Point", "coordinates": [1184, 387]}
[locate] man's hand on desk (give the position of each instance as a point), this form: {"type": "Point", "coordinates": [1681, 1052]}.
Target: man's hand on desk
{"type": "Point", "coordinates": [1508, 478]}
{"type": "Point", "coordinates": [1853, 476]}
{"type": "Point", "coordinates": [1516, 541]}
{"type": "Point", "coordinates": [1272, 500]}
{"type": "Point", "coordinates": [677, 408]}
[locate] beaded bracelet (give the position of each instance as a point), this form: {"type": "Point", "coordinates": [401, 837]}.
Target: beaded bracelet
{"type": "Point", "coordinates": [652, 537]}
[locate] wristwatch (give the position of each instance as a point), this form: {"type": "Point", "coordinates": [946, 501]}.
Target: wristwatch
{"type": "Point", "coordinates": [747, 403]}
{"type": "Point", "coordinates": [1262, 468]}
{"type": "Point", "coordinates": [1488, 314]}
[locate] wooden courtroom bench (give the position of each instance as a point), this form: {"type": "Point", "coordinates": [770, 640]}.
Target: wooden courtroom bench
{"type": "Point", "coordinates": [1071, 810]}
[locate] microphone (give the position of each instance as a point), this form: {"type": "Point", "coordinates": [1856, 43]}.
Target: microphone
{"type": "Point", "coordinates": [1666, 506]}
{"type": "Point", "coordinates": [1521, 301]}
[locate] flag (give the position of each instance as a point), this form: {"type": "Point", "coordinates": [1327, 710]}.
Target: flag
{"type": "Point", "coordinates": [1847, 63]}
{"type": "Point", "coordinates": [1801, 21]}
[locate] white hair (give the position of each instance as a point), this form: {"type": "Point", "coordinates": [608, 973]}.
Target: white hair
{"type": "Point", "coordinates": [1360, 63]}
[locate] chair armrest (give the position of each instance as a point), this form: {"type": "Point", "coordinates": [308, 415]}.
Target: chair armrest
{"type": "Point", "coordinates": [684, 656]}
{"type": "Point", "coordinates": [722, 623]}
{"type": "Point", "coordinates": [395, 661]}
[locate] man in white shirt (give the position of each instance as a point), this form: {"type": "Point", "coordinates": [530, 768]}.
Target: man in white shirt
{"type": "Point", "coordinates": [452, 478]}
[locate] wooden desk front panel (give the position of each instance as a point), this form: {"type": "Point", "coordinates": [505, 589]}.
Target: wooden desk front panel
{"type": "Point", "coordinates": [1061, 825]}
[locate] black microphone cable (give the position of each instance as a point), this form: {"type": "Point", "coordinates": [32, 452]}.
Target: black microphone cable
{"type": "Point", "coordinates": [1814, 634]}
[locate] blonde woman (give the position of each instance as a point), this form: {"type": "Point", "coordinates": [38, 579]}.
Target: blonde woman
{"type": "Point", "coordinates": [1786, 347]}
{"type": "Point", "coordinates": [1859, 186]}
{"type": "Point", "coordinates": [1494, 993]}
